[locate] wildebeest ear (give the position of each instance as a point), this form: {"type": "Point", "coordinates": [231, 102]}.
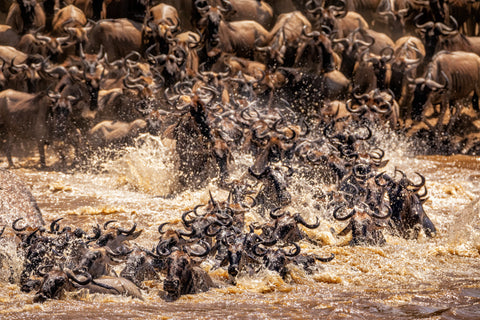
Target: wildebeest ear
{"type": "Point", "coordinates": [53, 95]}
{"type": "Point", "coordinates": [196, 261]}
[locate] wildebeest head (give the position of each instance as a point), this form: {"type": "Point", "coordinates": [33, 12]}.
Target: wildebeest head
{"type": "Point", "coordinates": [180, 271]}
{"type": "Point", "coordinates": [406, 202]}
{"type": "Point", "coordinates": [315, 53]}
{"type": "Point", "coordinates": [93, 73]}
{"type": "Point", "coordinates": [235, 247]}
{"type": "Point", "coordinates": [274, 192]}
{"type": "Point", "coordinates": [212, 16]}
{"type": "Point", "coordinates": [363, 224]}
{"type": "Point", "coordinates": [432, 31]}
{"type": "Point", "coordinates": [97, 262]}
{"type": "Point", "coordinates": [55, 282]}
{"type": "Point", "coordinates": [114, 238]}
{"type": "Point", "coordinates": [169, 239]}
{"type": "Point", "coordinates": [60, 114]}
{"type": "Point", "coordinates": [276, 259]}
{"type": "Point", "coordinates": [424, 89]}
{"type": "Point", "coordinates": [286, 226]}
{"type": "Point", "coordinates": [140, 266]}
{"type": "Point", "coordinates": [27, 11]}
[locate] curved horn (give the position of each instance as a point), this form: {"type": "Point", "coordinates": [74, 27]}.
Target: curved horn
{"type": "Point", "coordinates": [276, 216]}
{"type": "Point", "coordinates": [72, 277]}
{"type": "Point", "coordinates": [380, 110]}
{"type": "Point", "coordinates": [42, 38]}
{"type": "Point", "coordinates": [361, 171]}
{"type": "Point", "coordinates": [160, 227]}
{"type": "Point", "coordinates": [425, 26]}
{"type": "Point", "coordinates": [361, 109]}
{"type": "Point", "coordinates": [214, 232]}
{"type": "Point", "coordinates": [432, 84]}
{"type": "Point", "coordinates": [368, 136]}
{"type": "Point", "coordinates": [388, 57]}
{"type": "Point", "coordinates": [419, 185]}
{"type": "Point", "coordinates": [162, 250]}
{"type": "Point", "coordinates": [127, 232]}
{"type": "Point", "coordinates": [200, 253]}
{"type": "Point", "coordinates": [321, 259]}
{"type": "Point", "coordinates": [377, 154]}
{"type": "Point", "coordinates": [186, 222]}
{"type": "Point", "coordinates": [299, 219]}
{"type": "Point", "coordinates": [294, 252]}
{"type": "Point", "coordinates": [54, 226]}
{"type": "Point", "coordinates": [185, 233]}
{"type": "Point", "coordinates": [41, 270]}
{"type": "Point", "coordinates": [97, 233]}
{"type": "Point", "coordinates": [256, 248]}
{"type": "Point", "coordinates": [379, 216]}
{"type": "Point", "coordinates": [30, 236]}
{"type": "Point", "coordinates": [339, 218]}
{"type": "Point", "coordinates": [105, 225]}
{"type": "Point", "coordinates": [14, 225]}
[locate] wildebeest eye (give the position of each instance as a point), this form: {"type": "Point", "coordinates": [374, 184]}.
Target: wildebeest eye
{"type": "Point", "coordinates": [183, 263]}
{"type": "Point", "coordinates": [59, 281]}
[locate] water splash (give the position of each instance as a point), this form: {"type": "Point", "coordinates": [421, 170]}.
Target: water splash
{"type": "Point", "coordinates": [148, 166]}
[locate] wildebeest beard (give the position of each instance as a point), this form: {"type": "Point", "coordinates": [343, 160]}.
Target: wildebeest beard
{"type": "Point", "coordinates": [27, 10]}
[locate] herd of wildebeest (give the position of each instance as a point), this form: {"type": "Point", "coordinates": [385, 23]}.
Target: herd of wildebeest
{"type": "Point", "coordinates": [299, 85]}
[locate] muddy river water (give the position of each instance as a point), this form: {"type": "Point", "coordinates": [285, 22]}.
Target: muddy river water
{"type": "Point", "coordinates": [435, 278]}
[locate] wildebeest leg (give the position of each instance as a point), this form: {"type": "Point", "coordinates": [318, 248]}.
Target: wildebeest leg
{"type": "Point", "coordinates": [453, 116]}
{"type": "Point", "coordinates": [475, 102]}
{"type": "Point", "coordinates": [443, 110]}
{"type": "Point", "coordinates": [8, 151]}
{"type": "Point", "coordinates": [80, 150]}
{"type": "Point", "coordinates": [41, 151]}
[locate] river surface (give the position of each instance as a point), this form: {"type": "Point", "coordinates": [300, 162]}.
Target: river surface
{"type": "Point", "coordinates": [435, 278]}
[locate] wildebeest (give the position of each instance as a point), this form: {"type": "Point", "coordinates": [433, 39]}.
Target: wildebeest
{"type": "Point", "coordinates": [25, 15]}
{"type": "Point", "coordinates": [141, 266]}
{"type": "Point", "coordinates": [183, 276]}
{"type": "Point", "coordinates": [239, 37]}
{"type": "Point", "coordinates": [161, 24]}
{"type": "Point", "coordinates": [451, 76]}
{"type": "Point", "coordinates": [364, 224]}
{"type": "Point", "coordinates": [118, 37]}
{"type": "Point", "coordinates": [114, 133]}
{"type": "Point", "coordinates": [33, 117]}
{"type": "Point", "coordinates": [408, 216]}
{"type": "Point", "coordinates": [8, 36]}
{"type": "Point", "coordinates": [55, 282]}
{"type": "Point", "coordinates": [284, 39]}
